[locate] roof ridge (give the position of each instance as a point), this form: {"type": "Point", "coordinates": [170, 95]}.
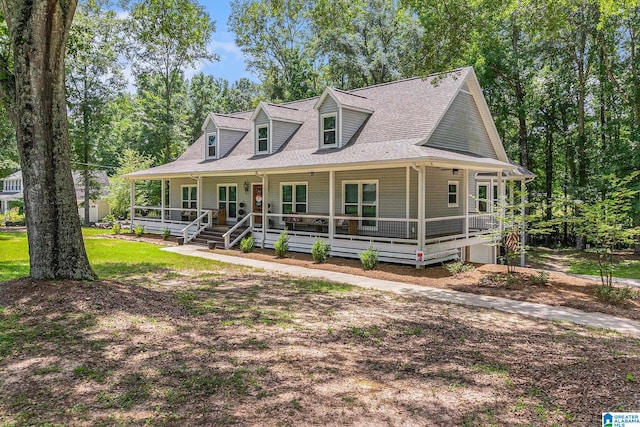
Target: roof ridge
{"type": "Point", "coordinates": [229, 116]}
{"type": "Point", "coordinates": [282, 106]}
{"type": "Point", "coordinates": [349, 93]}
{"type": "Point", "coordinates": [412, 78]}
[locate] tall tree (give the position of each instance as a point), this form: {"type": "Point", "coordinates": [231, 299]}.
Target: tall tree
{"type": "Point", "coordinates": [94, 77]}
{"type": "Point", "coordinates": [169, 36]}
{"type": "Point", "coordinates": [32, 84]}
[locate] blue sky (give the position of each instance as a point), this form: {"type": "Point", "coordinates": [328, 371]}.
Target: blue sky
{"type": "Point", "coordinates": [231, 65]}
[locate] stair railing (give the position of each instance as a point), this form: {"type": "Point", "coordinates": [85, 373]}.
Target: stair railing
{"type": "Point", "coordinates": [227, 236]}
{"type": "Point", "coordinates": [199, 226]}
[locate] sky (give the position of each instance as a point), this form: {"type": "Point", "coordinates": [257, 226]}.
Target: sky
{"type": "Point", "coordinates": [231, 65]}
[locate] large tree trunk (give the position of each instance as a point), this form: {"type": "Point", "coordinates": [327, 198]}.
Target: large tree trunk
{"type": "Point", "coordinates": [38, 31]}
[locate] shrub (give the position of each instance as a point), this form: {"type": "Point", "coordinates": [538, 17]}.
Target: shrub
{"type": "Point", "coordinates": [320, 251]}
{"type": "Point", "coordinates": [540, 278]}
{"type": "Point", "coordinates": [138, 230]}
{"type": "Point", "coordinates": [166, 233]}
{"type": "Point", "coordinates": [247, 244]}
{"type": "Point", "coordinates": [457, 267]}
{"type": "Point", "coordinates": [615, 295]}
{"type": "Point", "coordinates": [282, 244]}
{"type": "Point", "coordinates": [369, 258]}
{"type": "Point", "coordinates": [14, 217]}
{"type": "Point", "coordinates": [109, 219]}
{"type": "Point", "coordinates": [116, 228]}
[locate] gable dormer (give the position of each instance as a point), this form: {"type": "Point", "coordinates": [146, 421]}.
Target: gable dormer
{"type": "Point", "coordinates": [340, 115]}
{"type": "Point", "coordinates": [221, 133]}
{"type": "Point", "coordinates": [273, 126]}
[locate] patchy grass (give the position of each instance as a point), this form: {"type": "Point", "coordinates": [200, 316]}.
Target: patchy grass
{"type": "Point", "coordinates": [180, 341]}
{"type": "Point", "coordinates": [629, 269]}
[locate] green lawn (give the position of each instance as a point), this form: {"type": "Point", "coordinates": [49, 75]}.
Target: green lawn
{"type": "Point", "coordinates": [625, 269]}
{"type": "Point", "coordinates": [110, 258]}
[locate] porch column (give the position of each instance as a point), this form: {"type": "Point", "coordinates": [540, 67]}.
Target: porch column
{"type": "Point", "coordinates": [523, 233]}
{"type": "Point", "coordinates": [501, 205]}
{"type": "Point", "coordinates": [199, 201]}
{"type": "Point", "coordinates": [332, 203]}
{"type": "Point", "coordinates": [265, 208]}
{"type": "Point", "coordinates": [408, 200]}
{"type": "Point", "coordinates": [162, 200]}
{"type": "Point", "coordinates": [421, 207]}
{"type": "Point", "coordinates": [132, 201]}
{"type": "Point", "coordinates": [465, 201]}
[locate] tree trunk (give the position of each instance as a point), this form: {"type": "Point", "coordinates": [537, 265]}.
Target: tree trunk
{"type": "Point", "coordinates": [38, 31]}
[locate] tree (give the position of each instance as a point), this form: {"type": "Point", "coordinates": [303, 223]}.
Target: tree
{"type": "Point", "coordinates": [8, 148]}
{"type": "Point", "coordinates": [32, 84]}
{"type": "Point", "coordinates": [94, 78]}
{"type": "Point", "coordinates": [169, 36]}
{"type": "Point", "coordinates": [119, 188]}
{"type": "Point", "coordinates": [204, 95]}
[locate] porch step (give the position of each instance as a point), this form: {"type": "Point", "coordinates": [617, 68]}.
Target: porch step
{"type": "Point", "coordinates": [214, 234]}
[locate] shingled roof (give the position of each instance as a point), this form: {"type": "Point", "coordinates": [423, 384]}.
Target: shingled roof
{"type": "Point", "coordinates": [403, 116]}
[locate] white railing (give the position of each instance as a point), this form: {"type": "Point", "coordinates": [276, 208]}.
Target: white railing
{"type": "Point", "coordinates": [227, 236]}
{"type": "Point", "coordinates": [154, 214]}
{"type": "Point", "coordinates": [198, 224]}
{"type": "Point", "coordinates": [447, 228]}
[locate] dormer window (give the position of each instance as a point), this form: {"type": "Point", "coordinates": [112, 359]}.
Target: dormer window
{"type": "Point", "coordinates": [329, 130]}
{"type": "Point", "coordinates": [262, 139]}
{"type": "Point", "coordinates": [212, 145]}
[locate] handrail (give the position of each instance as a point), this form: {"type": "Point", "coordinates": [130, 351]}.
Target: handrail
{"type": "Point", "coordinates": [227, 235]}
{"type": "Point", "coordinates": [185, 231]}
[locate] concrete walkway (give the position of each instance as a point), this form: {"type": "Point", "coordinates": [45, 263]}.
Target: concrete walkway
{"type": "Point", "coordinates": [540, 311]}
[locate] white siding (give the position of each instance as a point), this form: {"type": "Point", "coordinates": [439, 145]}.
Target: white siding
{"type": "Point", "coordinates": [282, 131]}
{"type": "Point", "coordinates": [462, 129]}
{"type": "Point", "coordinates": [351, 122]}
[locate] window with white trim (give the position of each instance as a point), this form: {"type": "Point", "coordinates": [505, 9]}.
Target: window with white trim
{"type": "Point", "coordinates": [262, 139]}
{"type": "Point", "coordinates": [361, 199]}
{"type": "Point", "coordinates": [483, 198]}
{"type": "Point", "coordinates": [189, 197]}
{"type": "Point", "coordinates": [452, 194]}
{"type": "Point", "coordinates": [329, 129]}
{"type": "Point", "coordinates": [228, 199]}
{"type": "Point", "coordinates": [212, 145]}
{"type": "Point", "coordinates": [294, 197]}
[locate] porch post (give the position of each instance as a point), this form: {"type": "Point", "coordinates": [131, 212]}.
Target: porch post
{"type": "Point", "coordinates": [501, 202]}
{"type": "Point", "coordinates": [265, 208]}
{"type": "Point", "coordinates": [132, 201]}
{"type": "Point", "coordinates": [162, 200]}
{"type": "Point", "coordinates": [408, 199]}
{"type": "Point", "coordinates": [421, 207]}
{"type": "Point", "coordinates": [523, 233]}
{"type": "Point", "coordinates": [332, 203]}
{"type": "Point", "coordinates": [199, 201]}
{"type": "Point", "coordinates": [465, 202]}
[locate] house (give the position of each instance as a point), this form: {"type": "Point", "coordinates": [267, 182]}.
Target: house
{"type": "Point", "coordinates": [412, 167]}
{"type": "Point", "coordinates": [98, 209]}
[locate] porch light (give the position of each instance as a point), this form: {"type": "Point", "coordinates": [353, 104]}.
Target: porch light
{"type": "Point", "coordinates": [246, 187]}
{"type": "Point", "coordinates": [454, 171]}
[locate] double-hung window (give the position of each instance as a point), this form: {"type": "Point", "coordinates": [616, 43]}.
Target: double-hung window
{"type": "Point", "coordinates": [189, 197]}
{"type": "Point", "coordinates": [262, 139]}
{"type": "Point", "coordinates": [228, 199]}
{"type": "Point", "coordinates": [329, 130]}
{"type": "Point", "coordinates": [483, 198]}
{"type": "Point", "coordinates": [294, 197]}
{"type": "Point", "coordinates": [212, 145]}
{"type": "Point", "coordinates": [452, 194]}
{"type": "Point", "coordinates": [361, 199]}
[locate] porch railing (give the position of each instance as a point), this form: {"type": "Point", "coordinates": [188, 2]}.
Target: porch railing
{"type": "Point", "coordinates": [197, 225]}
{"type": "Point", "coordinates": [227, 236]}
{"type": "Point", "coordinates": [171, 215]}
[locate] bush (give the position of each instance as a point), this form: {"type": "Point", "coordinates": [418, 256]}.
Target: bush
{"type": "Point", "coordinates": [282, 244]}
{"type": "Point", "coordinates": [615, 295]}
{"type": "Point", "coordinates": [138, 230]}
{"type": "Point", "coordinates": [540, 278]}
{"type": "Point", "coordinates": [14, 217]}
{"type": "Point", "coordinates": [166, 233]}
{"type": "Point", "coordinates": [457, 267]}
{"type": "Point", "coordinates": [369, 258]}
{"type": "Point", "coordinates": [109, 219]}
{"type": "Point", "coordinates": [320, 251]}
{"type": "Point", "coordinates": [247, 244]}
{"type": "Point", "coordinates": [116, 228]}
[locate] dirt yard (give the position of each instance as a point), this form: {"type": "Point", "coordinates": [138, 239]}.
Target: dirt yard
{"type": "Point", "coordinates": [237, 348]}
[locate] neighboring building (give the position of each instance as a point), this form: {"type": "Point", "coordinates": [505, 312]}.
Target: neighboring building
{"type": "Point", "coordinates": [11, 190]}
{"type": "Point", "coordinates": [98, 209]}
{"type": "Point", "coordinates": [410, 166]}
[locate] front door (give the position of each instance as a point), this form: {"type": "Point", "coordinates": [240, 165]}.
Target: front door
{"type": "Point", "coordinates": [257, 202]}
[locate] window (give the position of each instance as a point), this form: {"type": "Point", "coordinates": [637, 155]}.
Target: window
{"type": "Point", "coordinates": [329, 130]}
{"type": "Point", "coordinates": [453, 194]}
{"type": "Point", "coordinates": [189, 197]}
{"type": "Point", "coordinates": [294, 197]}
{"type": "Point", "coordinates": [361, 199]}
{"type": "Point", "coordinates": [482, 199]}
{"type": "Point", "coordinates": [228, 199]}
{"type": "Point", "coordinates": [263, 139]}
{"type": "Point", "coordinates": [212, 144]}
